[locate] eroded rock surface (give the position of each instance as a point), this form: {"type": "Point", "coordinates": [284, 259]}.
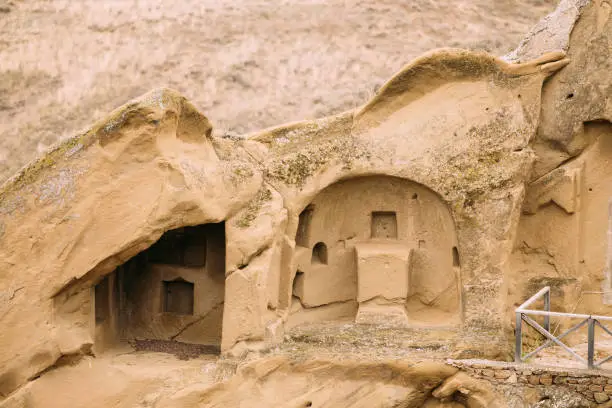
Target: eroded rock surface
{"type": "Point", "coordinates": [347, 384]}
{"type": "Point", "coordinates": [455, 179]}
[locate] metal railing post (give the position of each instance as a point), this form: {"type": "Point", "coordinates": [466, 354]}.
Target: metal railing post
{"type": "Point", "coordinates": [591, 342]}
{"type": "Point", "coordinates": [518, 351]}
{"type": "Point", "coordinates": [547, 308]}
{"type": "Point", "coordinates": [525, 314]}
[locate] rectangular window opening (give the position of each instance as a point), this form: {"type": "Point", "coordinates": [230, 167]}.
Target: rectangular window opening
{"type": "Point", "coordinates": [384, 224]}
{"type": "Point", "coordinates": [178, 297]}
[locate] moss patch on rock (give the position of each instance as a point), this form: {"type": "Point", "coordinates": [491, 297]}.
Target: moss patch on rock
{"type": "Point", "coordinates": [251, 211]}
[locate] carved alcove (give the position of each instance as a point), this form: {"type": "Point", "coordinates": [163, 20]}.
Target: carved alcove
{"type": "Point", "coordinates": [319, 254]}
{"type": "Point", "coordinates": [395, 215]}
{"type": "Point", "coordinates": [384, 224]}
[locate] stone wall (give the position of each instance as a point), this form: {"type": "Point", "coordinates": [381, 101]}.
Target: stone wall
{"type": "Point", "coordinates": [594, 385]}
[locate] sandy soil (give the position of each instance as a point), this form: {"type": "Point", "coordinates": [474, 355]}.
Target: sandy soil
{"type": "Point", "coordinates": [247, 64]}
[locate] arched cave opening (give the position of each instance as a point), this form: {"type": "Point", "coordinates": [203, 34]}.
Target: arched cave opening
{"type": "Point", "coordinates": [365, 240]}
{"type": "Point", "coordinates": [302, 237]}
{"type": "Point", "coordinates": [319, 253]}
{"type": "Point", "coordinates": [172, 291]}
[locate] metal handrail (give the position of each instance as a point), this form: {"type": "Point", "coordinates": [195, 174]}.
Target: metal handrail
{"type": "Point", "coordinates": [590, 320]}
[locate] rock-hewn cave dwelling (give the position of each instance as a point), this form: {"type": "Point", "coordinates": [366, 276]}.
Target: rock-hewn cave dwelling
{"type": "Point", "coordinates": [172, 290]}
{"type": "Point", "coordinates": [415, 223]}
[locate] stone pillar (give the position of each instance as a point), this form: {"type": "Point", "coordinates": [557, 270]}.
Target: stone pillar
{"type": "Point", "coordinates": [382, 282]}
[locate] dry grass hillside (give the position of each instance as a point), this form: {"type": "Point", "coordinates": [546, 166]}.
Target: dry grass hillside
{"type": "Point", "coordinates": [247, 64]}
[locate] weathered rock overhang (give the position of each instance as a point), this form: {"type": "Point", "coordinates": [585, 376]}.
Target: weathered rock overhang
{"type": "Point", "coordinates": [460, 123]}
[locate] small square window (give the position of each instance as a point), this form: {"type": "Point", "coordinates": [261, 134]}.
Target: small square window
{"type": "Point", "coordinates": [384, 224]}
{"type": "Point", "coordinates": [178, 297]}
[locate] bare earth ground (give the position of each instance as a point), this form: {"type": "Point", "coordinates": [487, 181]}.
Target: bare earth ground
{"type": "Point", "coordinates": [246, 64]}
{"type": "Point", "coordinates": [125, 377]}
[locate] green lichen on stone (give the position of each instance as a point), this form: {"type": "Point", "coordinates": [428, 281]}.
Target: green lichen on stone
{"type": "Point", "coordinates": [242, 172]}
{"type": "Point", "coordinates": [290, 138]}
{"type": "Point", "coordinates": [301, 149]}
{"type": "Point", "coordinates": [471, 64]}
{"type": "Point", "coordinates": [434, 68]}
{"type": "Point", "coordinates": [296, 168]}
{"type": "Point", "coordinates": [98, 132]}
{"type": "Point", "coordinates": [251, 211]}
{"type": "Point", "coordinates": [32, 171]}
{"type": "Point", "coordinates": [477, 172]}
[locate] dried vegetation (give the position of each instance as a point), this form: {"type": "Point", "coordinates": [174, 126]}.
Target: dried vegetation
{"type": "Point", "coordinates": [246, 64]}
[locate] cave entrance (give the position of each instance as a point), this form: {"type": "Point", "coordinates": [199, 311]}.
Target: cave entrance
{"type": "Point", "coordinates": [375, 246]}
{"type": "Point", "coordinates": [172, 291]}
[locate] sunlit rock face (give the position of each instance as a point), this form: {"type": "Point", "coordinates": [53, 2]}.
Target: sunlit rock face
{"type": "Point", "coordinates": [438, 206]}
